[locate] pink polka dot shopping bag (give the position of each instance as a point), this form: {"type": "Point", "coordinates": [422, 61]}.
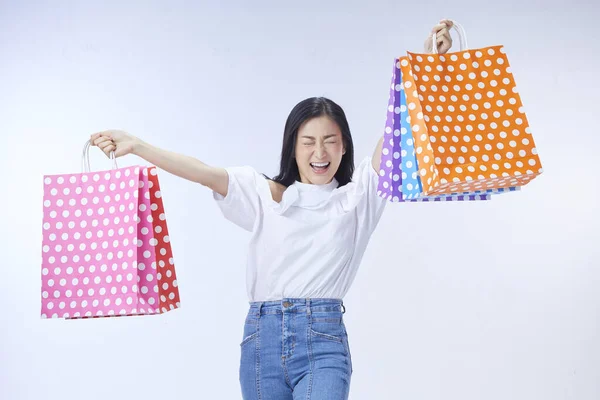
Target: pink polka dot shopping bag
{"type": "Point", "coordinates": [106, 249]}
{"type": "Point", "coordinates": [456, 128]}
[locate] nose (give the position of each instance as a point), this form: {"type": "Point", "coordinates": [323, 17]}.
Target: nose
{"type": "Point", "coordinates": [320, 151]}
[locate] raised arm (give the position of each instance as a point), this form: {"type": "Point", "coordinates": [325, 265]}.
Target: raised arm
{"type": "Point", "coordinates": [186, 167]}
{"type": "Point", "coordinates": [376, 159]}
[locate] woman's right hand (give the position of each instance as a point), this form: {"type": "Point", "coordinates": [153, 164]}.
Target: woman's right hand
{"type": "Point", "coordinates": [120, 142]}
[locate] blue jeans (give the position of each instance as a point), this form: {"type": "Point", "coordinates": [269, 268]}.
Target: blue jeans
{"type": "Point", "coordinates": [295, 349]}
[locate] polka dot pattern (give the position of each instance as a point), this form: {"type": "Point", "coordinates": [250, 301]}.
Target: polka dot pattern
{"type": "Point", "coordinates": [100, 248]}
{"type": "Point", "coordinates": [428, 173]}
{"type": "Point", "coordinates": [167, 281]}
{"type": "Point", "coordinates": [389, 181]}
{"type": "Point", "coordinates": [473, 133]}
{"type": "Point", "coordinates": [385, 185]}
{"type": "Point", "coordinates": [399, 180]}
{"type": "Point", "coordinates": [411, 182]}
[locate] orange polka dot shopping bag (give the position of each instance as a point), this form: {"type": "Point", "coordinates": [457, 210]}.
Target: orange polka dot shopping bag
{"type": "Point", "coordinates": [106, 249]}
{"type": "Point", "coordinates": [460, 116]}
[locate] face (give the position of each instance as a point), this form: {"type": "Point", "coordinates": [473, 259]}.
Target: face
{"type": "Point", "coordinates": [319, 150]}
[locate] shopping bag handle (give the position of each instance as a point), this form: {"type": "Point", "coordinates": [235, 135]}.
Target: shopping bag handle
{"type": "Point", "coordinates": [462, 37]}
{"type": "Point", "coordinates": [85, 158]}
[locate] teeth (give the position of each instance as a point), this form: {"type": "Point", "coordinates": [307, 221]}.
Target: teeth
{"type": "Point", "coordinates": [320, 164]}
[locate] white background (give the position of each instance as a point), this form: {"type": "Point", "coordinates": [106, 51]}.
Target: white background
{"type": "Point", "coordinates": [495, 300]}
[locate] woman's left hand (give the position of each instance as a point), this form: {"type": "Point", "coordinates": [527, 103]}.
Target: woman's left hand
{"type": "Point", "coordinates": [443, 39]}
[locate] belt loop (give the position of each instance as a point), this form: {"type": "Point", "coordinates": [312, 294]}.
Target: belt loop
{"type": "Point", "coordinates": [308, 307]}
{"type": "Point", "coordinates": [343, 307]}
{"type": "Point", "coordinates": [260, 304]}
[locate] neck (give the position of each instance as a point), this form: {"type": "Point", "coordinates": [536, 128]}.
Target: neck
{"type": "Point", "coordinates": [305, 180]}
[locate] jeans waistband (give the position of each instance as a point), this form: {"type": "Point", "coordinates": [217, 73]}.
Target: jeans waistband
{"type": "Point", "coordinates": [296, 305]}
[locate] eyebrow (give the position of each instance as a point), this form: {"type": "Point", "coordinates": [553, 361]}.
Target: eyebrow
{"type": "Point", "coordinates": [312, 137]}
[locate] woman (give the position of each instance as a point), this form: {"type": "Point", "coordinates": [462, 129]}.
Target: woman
{"type": "Point", "coordinates": [310, 227]}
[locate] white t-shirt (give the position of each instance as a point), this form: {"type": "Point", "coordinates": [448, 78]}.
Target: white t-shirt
{"type": "Point", "coordinates": [311, 243]}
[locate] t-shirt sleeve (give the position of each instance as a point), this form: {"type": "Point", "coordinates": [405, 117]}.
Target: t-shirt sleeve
{"type": "Point", "coordinates": [369, 205]}
{"type": "Point", "coordinates": [242, 204]}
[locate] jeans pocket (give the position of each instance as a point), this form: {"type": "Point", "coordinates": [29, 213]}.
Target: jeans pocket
{"type": "Point", "coordinates": [250, 330]}
{"type": "Point", "coordinates": [328, 325]}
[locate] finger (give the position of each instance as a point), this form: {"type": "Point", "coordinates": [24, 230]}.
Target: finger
{"type": "Point", "coordinates": [447, 22]}
{"type": "Point", "coordinates": [449, 43]}
{"type": "Point", "coordinates": [443, 46]}
{"type": "Point", "coordinates": [93, 138]}
{"type": "Point", "coordinates": [445, 38]}
{"type": "Point", "coordinates": [446, 47]}
{"type": "Point", "coordinates": [441, 38]}
{"type": "Point", "coordinates": [101, 140]}
{"type": "Point", "coordinates": [103, 134]}
{"type": "Point", "coordinates": [445, 35]}
{"type": "Point", "coordinates": [105, 144]}
{"type": "Point", "coordinates": [107, 134]}
{"type": "Point", "coordinates": [438, 27]}
{"type": "Point", "coordinates": [449, 39]}
{"type": "Point", "coordinates": [108, 149]}
{"type": "Point", "coordinates": [443, 32]}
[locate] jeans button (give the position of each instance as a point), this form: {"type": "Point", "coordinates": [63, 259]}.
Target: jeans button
{"type": "Point", "coordinates": [286, 304]}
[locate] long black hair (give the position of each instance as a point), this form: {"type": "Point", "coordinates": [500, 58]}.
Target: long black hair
{"type": "Point", "coordinates": [305, 110]}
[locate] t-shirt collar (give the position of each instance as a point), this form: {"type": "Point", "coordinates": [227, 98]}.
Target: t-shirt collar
{"type": "Point", "coordinates": [310, 187]}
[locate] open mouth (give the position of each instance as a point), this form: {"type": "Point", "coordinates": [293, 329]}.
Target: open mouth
{"type": "Point", "coordinates": [320, 168]}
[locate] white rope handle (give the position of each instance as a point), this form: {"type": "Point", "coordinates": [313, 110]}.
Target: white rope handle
{"type": "Point", "coordinates": [462, 37]}
{"type": "Point", "coordinates": [85, 158]}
